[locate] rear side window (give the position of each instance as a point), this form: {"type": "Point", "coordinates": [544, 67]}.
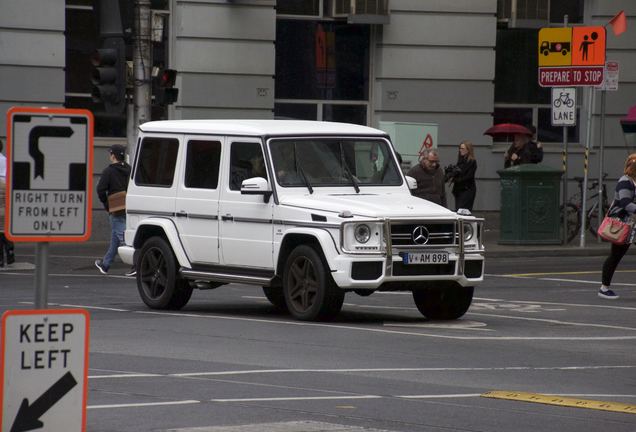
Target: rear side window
{"type": "Point", "coordinates": [202, 164]}
{"type": "Point", "coordinates": [157, 160]}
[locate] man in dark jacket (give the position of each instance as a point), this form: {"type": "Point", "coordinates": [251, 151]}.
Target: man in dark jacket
{"type": "Point", "coordinates": [522, 151]}
{"type": "Point", "coordinates": [430, 178]}
{"type": "Point", "coordinates": [114, 179]}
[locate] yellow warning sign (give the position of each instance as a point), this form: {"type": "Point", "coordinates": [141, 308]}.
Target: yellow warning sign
{"type": "Point", "coordinates": [555, 46]}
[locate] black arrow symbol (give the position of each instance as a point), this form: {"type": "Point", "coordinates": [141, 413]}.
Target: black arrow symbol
{"type": "Point", "coordinates": [28, 416]}
{"type": "Point", "coordinates": [34, 143]}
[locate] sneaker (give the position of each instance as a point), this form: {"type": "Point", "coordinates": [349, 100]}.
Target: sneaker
{"type": "Point", "coordinates": [100, 266]}
{"type": "Point", "coordinates": [609, 294]}
{"type": "Point", "coordinates": [132, 272]}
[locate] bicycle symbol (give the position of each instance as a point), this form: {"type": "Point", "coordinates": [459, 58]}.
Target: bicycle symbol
{"type": "Point", "coordinates": [564, 99]}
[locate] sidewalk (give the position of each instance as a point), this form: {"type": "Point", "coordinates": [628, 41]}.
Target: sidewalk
{"type": "Point", "coordinates": [97, 247]}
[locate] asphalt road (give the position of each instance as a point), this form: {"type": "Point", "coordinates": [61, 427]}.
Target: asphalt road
{"type": "Point", "coordinates": [230, 362]}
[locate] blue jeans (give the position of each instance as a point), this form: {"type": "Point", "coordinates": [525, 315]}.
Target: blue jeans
{"type": "Point", "coordinates": [117, 227]}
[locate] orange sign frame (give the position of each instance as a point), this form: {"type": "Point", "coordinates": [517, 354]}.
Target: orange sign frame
{"type": "Point", "coordinates": [51, 112]}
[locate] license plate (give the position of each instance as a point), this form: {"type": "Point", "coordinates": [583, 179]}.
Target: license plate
{"type": "Point", "coordinates": [425, 258]}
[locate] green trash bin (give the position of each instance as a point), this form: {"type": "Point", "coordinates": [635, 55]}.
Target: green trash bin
{"type": "Point", "coordinates": [530, 199]}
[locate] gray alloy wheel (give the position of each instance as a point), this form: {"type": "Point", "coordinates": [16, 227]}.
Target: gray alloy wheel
{"type": "Point", "coordinates": [310, 292]}
{"type": "Point", "coordinates": [157, 281]}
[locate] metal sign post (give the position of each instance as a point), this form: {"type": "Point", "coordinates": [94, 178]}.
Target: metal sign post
{"type": "Point", "coordinates": [563, 113]}
{"type": "Point", "coordinates": [49, 181]}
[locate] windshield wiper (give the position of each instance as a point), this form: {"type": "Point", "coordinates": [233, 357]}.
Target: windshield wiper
{"type": "Point", "coordinates": [304, 177]}
{"type": "Point", "coordinates": [350, 176]}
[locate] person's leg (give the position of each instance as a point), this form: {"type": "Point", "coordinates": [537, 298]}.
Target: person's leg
{"type": "Point", "coordinates": [117, 226]}
{"type": "Point", "coordinates": [8, 245]}
{"type": "Point", "coordinates": [609, 267]}
{"type": "Point", "coordinates": [2, 249]}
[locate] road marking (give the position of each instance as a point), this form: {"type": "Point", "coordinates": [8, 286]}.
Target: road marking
{"type": "Point", "coordinates": [562, 273]}
{"type": "Point", "coordinates": [553, 321]}
{"type": "Point", "coordinates": [298, 398]}
{"type": "Point", "coordinates": [602, 306]}
{"type": "Point", "coordinates": [559, 279]}
{"type": "Point", "coordinates": [124, 375]}
{"type": "Point", "coordinates": [438, 396]}
{"type": "Point", "coordinates": [143, 404]}
{"type": "Point", "coordinates": [562, 401]}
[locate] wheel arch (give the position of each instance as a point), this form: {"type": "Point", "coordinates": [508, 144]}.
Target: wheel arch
{"type": "Point", "coordinates": [165, 228]}
{"type": "Point", "coordinates": [320, 239]}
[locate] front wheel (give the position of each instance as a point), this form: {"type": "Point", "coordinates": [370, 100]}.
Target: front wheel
{"type": "Point", "coordinates": [447, 302]}
{"type": "Point", "coordinates": [157, 281]}
{"type": "Point", "coordinates": [310, 292]}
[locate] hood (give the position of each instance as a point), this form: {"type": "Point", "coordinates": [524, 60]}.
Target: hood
{"type": "Point", "coordinates": [121, 167]}
{"type": "Point", "coordinates": [369, 204]}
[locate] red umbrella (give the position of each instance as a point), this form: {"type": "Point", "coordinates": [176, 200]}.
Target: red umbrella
{"type": "Point", "coordinates": [507, 129]}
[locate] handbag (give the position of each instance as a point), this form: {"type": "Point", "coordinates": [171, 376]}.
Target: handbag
{"type": "Point", "coordinates": [615, 230]}
{"type": "Point", "coordinates": [117, 202]}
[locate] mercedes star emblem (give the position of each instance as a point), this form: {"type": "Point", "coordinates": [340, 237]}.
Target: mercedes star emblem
{"type": "Point", "coordinates": [420, 235]}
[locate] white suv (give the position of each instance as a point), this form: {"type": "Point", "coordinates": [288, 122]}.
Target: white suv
{"type": "Point", "coordinates": [307, 210]}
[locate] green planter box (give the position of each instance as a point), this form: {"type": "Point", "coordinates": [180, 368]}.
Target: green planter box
{"type": "Point", "coordinates": [530, 199]}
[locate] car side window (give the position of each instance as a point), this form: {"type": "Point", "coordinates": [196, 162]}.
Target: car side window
{"type": "Point", "coordinates": [246, 161]}
{"type": "Point", "coordinates": [156, 162]}
{"type": "Point", "coordinates": [202, 164]}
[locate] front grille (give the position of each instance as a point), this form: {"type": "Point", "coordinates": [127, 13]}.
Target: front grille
{"type": "Point", "coordinates": [401, 269]}
{"type": "Point", "coordinates": [440, 233]}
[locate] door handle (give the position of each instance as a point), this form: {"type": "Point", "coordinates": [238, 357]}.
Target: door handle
{"type": "Point", "coordinates": [228, 217]}
{"type": "Point", "coordinates": [181, 214]}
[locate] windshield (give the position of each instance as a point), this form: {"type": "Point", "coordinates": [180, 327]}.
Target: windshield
{"type": "Point", "coordinates": [334, 162]}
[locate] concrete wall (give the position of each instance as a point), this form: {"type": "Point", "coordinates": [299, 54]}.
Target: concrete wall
{"type": "Point", "coordinates": [32, 54]}
{"type": "Point", "coordinates": [224, 52]}
{"type": "Point", "coordinates": [435, 63]}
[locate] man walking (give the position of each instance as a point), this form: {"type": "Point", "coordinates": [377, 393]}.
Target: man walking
{"type": "Point", "coordinates": [111, 191]}
{"type": "Point", "coordinates": [430, 178]}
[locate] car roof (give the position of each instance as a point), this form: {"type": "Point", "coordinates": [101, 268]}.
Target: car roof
{"type": "Point", "coordinates": [258, 127]}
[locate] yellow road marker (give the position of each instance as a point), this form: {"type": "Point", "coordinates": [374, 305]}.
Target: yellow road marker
{"type": "Point", "coordinates": [562, 401]}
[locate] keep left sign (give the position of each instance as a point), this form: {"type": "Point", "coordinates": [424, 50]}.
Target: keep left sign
{"type": "Point", "coordinates": [44, 370]}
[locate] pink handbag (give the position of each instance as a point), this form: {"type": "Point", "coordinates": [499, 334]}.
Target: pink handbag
{"type": "Point", "coordinates": [615, 230]}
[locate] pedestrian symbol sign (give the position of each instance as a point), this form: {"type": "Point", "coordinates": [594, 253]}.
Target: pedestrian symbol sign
{"type": "Point", "coordinates": [49, 174]}
{"type": "Point", "coordinates": [589, 46]}
{"type": "Point", "coordinates": [44, 370]}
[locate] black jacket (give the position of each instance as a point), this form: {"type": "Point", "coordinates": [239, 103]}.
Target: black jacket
{"type": "Point", "coordinates": [464, 178]}
{"type": "Point", "coordinates": [114, 179]}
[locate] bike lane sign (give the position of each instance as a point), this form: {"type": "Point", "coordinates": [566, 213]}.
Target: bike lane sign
{"type": "Point", "coordinates": [563, 112]}
{"type": "Point", "coordinates": [44, 370]}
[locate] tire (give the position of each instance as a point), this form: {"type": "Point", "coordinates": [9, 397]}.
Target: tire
{"type": "Point", "coordinates": [443, 303]}
{"type": "Point", "coordinates": [310, 292]}
{"type": "Point", "coordinates": [564, 52]}
{"type": "Point", "coordinates": [276, 296]}
{"type": "Point", "coordinates": [157, 281]}
{"type": "Point", "coordinates": [574, 221]}
{"type": "Point", "coordinates": [546, 52]}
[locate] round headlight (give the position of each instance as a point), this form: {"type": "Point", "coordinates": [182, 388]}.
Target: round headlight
{"type": "Point", "coordinates": [468, 232]}
{"type": "Point", "coordinates": [362, 233]}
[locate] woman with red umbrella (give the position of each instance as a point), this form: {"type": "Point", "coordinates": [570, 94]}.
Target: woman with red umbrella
{"type": "Point", "coordinates": [522, 150]}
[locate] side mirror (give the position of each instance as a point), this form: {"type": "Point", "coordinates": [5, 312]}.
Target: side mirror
{"type": "Point", "coordinates": [256, 186]}
{"type": "Point", "coordinates": [411, 182]}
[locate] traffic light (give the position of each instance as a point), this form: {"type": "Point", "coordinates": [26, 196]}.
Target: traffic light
{"type": "Point", "coordinates": [109, 75]}
{"type": "Point", "coordinates": [166, 93]}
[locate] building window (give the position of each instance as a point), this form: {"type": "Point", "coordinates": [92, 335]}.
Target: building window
{"type": "Point", "coordinates": [518, 96]}
{"type": "Point", "coordinates": [296, 7]}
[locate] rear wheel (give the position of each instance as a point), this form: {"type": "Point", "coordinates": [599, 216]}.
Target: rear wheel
{"type": "Point", "coordinates": [310, 292]}
{"type": "Point", "coordinates": [574, 221]}
{"type": "Point", "coordinates": [443, 302]}
{"type": "Point", "coordinates": [157, 281]}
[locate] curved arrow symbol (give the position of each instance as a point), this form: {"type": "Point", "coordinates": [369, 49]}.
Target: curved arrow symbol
{"type": "Point", "coordinates": [28, 417]}
{"type": "Point", "coordinates": [34, 143]}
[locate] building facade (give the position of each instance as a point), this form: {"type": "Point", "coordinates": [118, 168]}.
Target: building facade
{"type": "Point", "coordinates": [463, 65]}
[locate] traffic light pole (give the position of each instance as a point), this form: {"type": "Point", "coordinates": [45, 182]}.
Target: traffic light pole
{"type": "Point", "coordinates": [142, 66]}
